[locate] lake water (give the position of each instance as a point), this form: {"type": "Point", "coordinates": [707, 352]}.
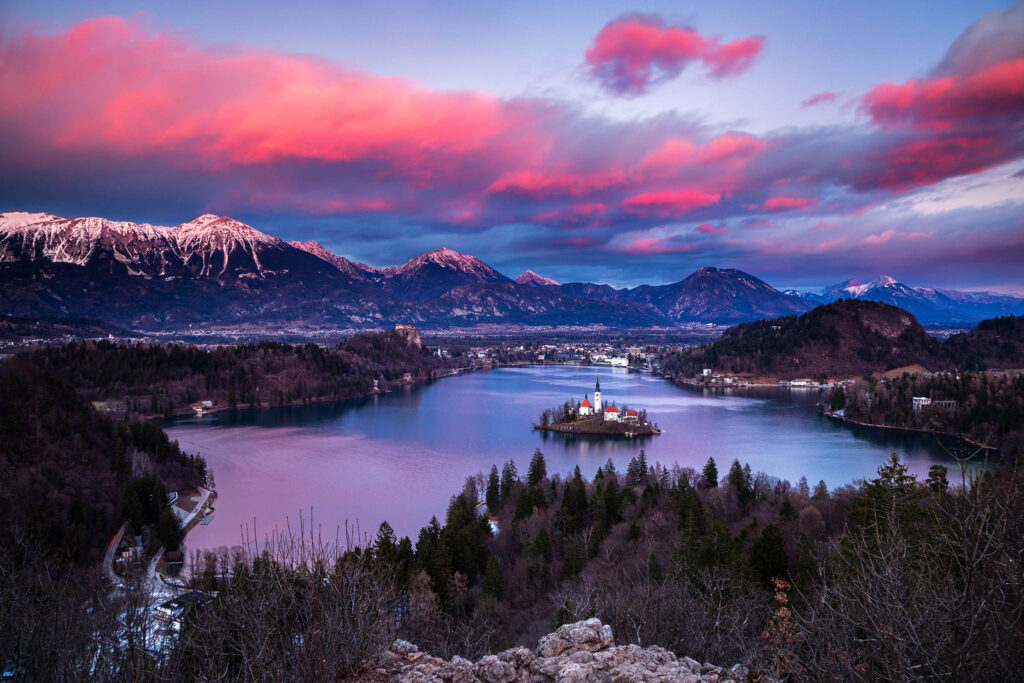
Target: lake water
{"type": "Point", "coordinates": [401, 456]}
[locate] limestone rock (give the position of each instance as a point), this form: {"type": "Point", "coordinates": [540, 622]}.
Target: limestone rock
{"type": "Point", "coordinates": [583, 652]}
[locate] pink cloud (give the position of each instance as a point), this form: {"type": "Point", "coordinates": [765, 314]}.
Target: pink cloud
{"type": "Point", "coordinates": [657, 245]}
{"type": "Point", "coordinates": [819, 98]}
{"type": "Point", "coordinates": [634, 52]}
{"type": "Point", "coordinates": [711, 229]}
{"type": "Point", "coordinates": [108, 84]}
{"type": "Point", "coordinates": [880, 238]}
{"type": "Point", "coordinates": [788, 203]}
{"type": "Point", "coordinates": [669, 202]}
{"type": "Point", "coordinates": [576, 215]}
{"type": "Point", "coordinates": [825, 225]}
{"type": "Point", "coordinates": [540, 185]}
{"type": "Point", "coordinates": [739, 147]}
{"type": "Point", "coordinates": [674, 152]}
{"type": "Point", "coordinates": [994, 92]}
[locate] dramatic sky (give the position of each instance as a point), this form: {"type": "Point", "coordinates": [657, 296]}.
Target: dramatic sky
{"type": "Point", "coordinates": [805, 142]}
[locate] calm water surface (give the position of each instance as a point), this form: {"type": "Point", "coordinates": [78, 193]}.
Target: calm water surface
{"type": "Point", "coordinates": [401, 456]}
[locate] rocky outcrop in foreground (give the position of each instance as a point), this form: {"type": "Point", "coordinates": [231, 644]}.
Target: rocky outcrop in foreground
{"type": "Point", "coordinates": [575, 653]}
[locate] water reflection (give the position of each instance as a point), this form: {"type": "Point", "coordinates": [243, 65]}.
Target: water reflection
{"type": "Point", "coordinates": [400, 456]}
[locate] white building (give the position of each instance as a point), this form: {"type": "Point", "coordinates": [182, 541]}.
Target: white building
{"type": "Point", "coordinates": [586, 408]}
{"type": "Point", "coordinates": [611, 414]}
{"type": "Point", "coordinates": [597, 397]}
{"type": "Point", "coordinates": [920, 402]}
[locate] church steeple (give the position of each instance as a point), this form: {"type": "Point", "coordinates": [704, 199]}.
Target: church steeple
{"type": "Point", "coordinates": [598, 387]}
{"type": "Point", "coordinates": [597, 396]}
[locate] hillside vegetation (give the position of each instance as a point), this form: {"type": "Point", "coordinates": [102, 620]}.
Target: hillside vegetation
{"type": "Point", "coordinates": [159, 379]}
{"type": "Point", "coordinates": [72, 475]}
{"type": "Point", "coordinates": [850, 338]}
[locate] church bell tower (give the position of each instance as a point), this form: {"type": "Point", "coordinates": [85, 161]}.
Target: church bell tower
{"type": "Point", "coordinates": [597, 397]}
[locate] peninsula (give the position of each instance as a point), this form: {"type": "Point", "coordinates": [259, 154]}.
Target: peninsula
{"type": "Point", "coordinates": [599, 417]}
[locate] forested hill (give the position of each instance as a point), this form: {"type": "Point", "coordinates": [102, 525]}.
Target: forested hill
{"type": "Point", "coordinates": [997, 343]}
{"type": "Point", "coordinates": [850, 338]}
{"type": "Point", "coordinates": [68, 469]}
{"type": "Point", "coordinates": [841, 339]}
{"type": "Point", "coordinates": [166, 379]}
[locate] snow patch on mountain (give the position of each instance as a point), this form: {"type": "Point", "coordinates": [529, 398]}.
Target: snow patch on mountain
{"type": "Point", "coordinates": [450, 260]}
{"type": "Point", "coordinates": [531, 278]}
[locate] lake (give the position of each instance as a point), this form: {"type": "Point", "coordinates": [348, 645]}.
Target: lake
{"type": "Point", "coordinates": [401, 456]}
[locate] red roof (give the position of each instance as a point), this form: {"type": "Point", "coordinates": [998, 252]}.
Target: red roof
{"type": "Point", "coordinates": [631, 412]}
{"type": "Point", "coordinates": [611, 409]}
{"type": "Point", "coordinates": [586, 403]}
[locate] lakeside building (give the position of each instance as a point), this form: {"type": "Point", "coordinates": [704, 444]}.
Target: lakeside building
{"type": "Point", "coordinates": [919, 402]}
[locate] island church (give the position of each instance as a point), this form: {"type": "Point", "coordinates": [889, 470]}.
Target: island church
{"type": "Point", "coordinates": [611, 413]}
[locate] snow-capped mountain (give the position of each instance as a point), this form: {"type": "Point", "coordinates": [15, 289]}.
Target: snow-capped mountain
{"type": "Point", "coordinates": [432, 274]}
{"type": "Point", "coordinates": [807, 296]}
{"type": "Point", "coordinates": [210, 246]}
{"type": "Point", "coordinates": [212, 269]}
{"type": "Point", "coordinates": [353, 269]}
{"type": "Point", "coordinates": [928, 304]}
{"type": "Point", "coordinates": [531, 278]}
{"type": "Point", "coordinates": [215, 270]}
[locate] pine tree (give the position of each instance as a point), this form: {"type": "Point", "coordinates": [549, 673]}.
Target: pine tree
{"type": "Point", "coordinates": [574, 559]}
{"type": "Point", "coordinates": [385, 547]}
{"type": "Point", "coordinates": [509, 476]}
{"type": "Point", "coordinates": [493, 497]}
{"type": "Point", "coordinates": [768, 556]}
{"type": "Point", "coordinates": [937, 481]}
{"type": "Point", "coordinates": [710, 473]}
{"type": "Point", "coordinates": [542, 545]}
{"type": "Point", "coordinates": [538, 469]}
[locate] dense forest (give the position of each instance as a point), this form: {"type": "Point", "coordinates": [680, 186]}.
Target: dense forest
{"type": "Point", "coordinates": [988, 407]}
{"type": "Point", "coordinates": [159, 379]}
{"type": "Point", "coordinates": [886, 579]}
{"type": "Point", "coordinates": [72, 475]}
{"type": "Point", "coordinates": [850, 338]}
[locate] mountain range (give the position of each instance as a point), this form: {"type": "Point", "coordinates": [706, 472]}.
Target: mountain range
{"type": "Point", "coordinates": [928, 304]}
{"type": "Point", "coordinates": [217, 271]}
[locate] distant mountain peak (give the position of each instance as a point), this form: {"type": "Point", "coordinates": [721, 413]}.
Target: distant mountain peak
{"type": "Point", "coordinates": [883, 280]}
{"type": "Point", "coordinates": [450, 259]}
{"type": "Point", "coordinates": [205, 218]}
{"type": "Point", "coordinates": [531, 278]}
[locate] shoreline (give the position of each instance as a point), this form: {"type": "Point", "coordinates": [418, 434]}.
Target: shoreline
{"type": "Point", "coordinates": [695, 384]}
{"type": "Point", "coordinates": [298, 402]}
{"type": "Point", "coordinates": [916, 430]}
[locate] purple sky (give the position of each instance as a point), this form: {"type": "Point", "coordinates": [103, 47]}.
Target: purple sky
{"type": "Point", "coordinates": [804, 142]}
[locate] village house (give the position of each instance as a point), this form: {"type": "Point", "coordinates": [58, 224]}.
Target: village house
{"type": "Point", "coordinates": [611, 414]}
{"type": "Point", "coordinates": [174, 610]}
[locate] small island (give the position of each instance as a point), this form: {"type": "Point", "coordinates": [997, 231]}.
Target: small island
{"type": "Point", "coordinates": [599, 417]}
